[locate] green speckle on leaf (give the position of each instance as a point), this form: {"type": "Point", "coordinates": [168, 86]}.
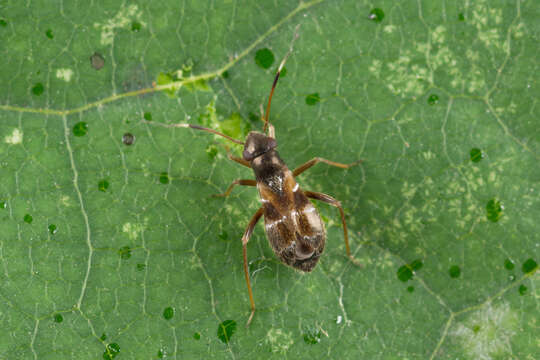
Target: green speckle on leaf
{"type": "Point", "coordinates": [58, 318]}
{"type": "Point", "coordinates": [313, 99]}
{"type": "Point", "coordinates": [141, 267]}
{"type": "Point", "coordinates": [103, 185]}
{"type": "Point", "coordinates": [3, 23]}
{"type": "Point", "coordinates": [433, 99]}
{"type": "Point", "coordinates": [52, 229]}
{"type": "Point", "coordinates": [3, 205]}
{"type": "Point", "coordinates": [136, 26]}
{"type": "Point", "coordinates": [225, 330]}
{"type": "Point", "coordinates": [376, 15]}
{"type": "Point", "coordinates": [312, 336]}
{"type": "Point", "coordinates": [38, 89]}
{"type": "Point", "coordinates": [28, 218]}
{"type": "Point", "coordinates": [147, 116]}
{"type": "Point", "coordinates": [80, 129]}
{"type": "Point", "coordinates": [494, 210]}
{"type": "Point", "coordinates": [168, 313]}
{"type": "Point", "coordinates": [476, 155]}
{"type": "Point", "coordinates": [454, 271]}
{"type": "Point", "coordinates": [111, 351]}
{"type": "Point", "coordinates": [529, 266]}
{"type": "Point", "coordinates": [461, 17]}
{"type": "Point", "coordinates": [410, 289]}
{"type": "Point", "coordinates": [197, 336]}
{"type": "Point", "coordinates": [164, 178]}
{"type": "Point", "coordinates": [264, 58]}
{"type": "Point", "coordinates": [404, 273]}
{"type": "Point", "coordinates": [49, 34]}
{"type": "Point", "coordinates": [124, 252]}
{"type": "Point", "coordinates": [103, 337]}
{"type": "Point", "coordinates": [509, 264]}
{"type": "Point", "coordinates": [522, 289]}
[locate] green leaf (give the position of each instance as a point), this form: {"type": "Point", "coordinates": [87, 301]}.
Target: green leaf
{"type": "Point", "coordinates": [113, 246]}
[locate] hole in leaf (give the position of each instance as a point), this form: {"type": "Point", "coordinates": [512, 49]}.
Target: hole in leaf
{"type": "Point", "coordinates": [97, 61]}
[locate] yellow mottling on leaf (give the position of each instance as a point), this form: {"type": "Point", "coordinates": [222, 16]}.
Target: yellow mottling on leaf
{"type": "Point", "coordinates": [64, 74]}
{"type": "Point", "coordinates": [15, 137]}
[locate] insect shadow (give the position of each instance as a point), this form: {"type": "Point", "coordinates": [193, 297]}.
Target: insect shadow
{"type": "Point", "coordinates": [293, 226]}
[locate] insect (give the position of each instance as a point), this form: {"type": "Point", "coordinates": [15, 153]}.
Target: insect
{"type": "Point", "coordinates": [293, 226]}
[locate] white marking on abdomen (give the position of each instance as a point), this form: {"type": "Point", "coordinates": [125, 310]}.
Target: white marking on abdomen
{"type": "Point", "coordinates": [295, 187]}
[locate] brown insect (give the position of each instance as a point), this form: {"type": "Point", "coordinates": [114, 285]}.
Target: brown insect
{"type": "Point", "coordinates": [293, 225]}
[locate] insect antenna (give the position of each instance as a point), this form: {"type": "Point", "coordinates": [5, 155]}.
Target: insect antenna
{"type": "Point", "coordinates": [266, 116]}
{"type": "Point", "coordinates": [197, 127]}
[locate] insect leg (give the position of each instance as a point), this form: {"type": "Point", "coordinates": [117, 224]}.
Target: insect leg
{"type": "Point", "coordinates": [237, 182]}
{"type": "Point", "coordinates": [238, 160]}
{"type": "Point", "coordinates": [330, 200]}
{"type": "Point", "coordinates": [245, 239]}
{"type": "Point", "coordinates": [316, 160]}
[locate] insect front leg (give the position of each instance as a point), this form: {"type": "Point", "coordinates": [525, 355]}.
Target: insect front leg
{"type": "Point", "coordinates": [245, 239]}
{"type": "Point", "coordinates": [245, 182]}
{"type": "Point", "coordinates": [316, 160]}
{"type": "Point", "coordinates": [330, 200]}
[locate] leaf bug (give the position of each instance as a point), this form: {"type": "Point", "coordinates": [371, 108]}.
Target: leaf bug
{"type": "Point", "coordinates": [293, 226]}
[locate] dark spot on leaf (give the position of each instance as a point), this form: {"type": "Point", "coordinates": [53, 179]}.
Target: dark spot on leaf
{"type": "Point", "coordinates": [313, 99]}
{"type": "Point", "coordinates": [476, 155]}
{"type": "Point", "coordinates": [509, 264]}
{"type": "Point", "coordinates": [168, 313]}
{"type": "Point", "coordinates": [49, 34]}
{"type": "Point", "coordinates": [128, 139]}
{"type": "Point", "coordinates": [103, 185]}
{"type": "Point", "coordinates": [522, 289]}
{"type": "Point", "coordinates": [494, 210]}
{"type": "Point", "coordinates": [376, 15]}
{"type": "Point", "coordinates": [53, 229]}
{"type": "Point", "coordinates": [164, 178]}
{"type": "Point", "coordinates": [28, 218]}
{"type": "Point", "coordinates": [454, 271]}
{"type": "Point", "coordinates": [225, 330]}
{"type": "Point", "coordinates": [312, 336]}
{"type": "Point", "coordinates": [141, 267]}
{"type": "Point", "coordinates": [197, 336]}
{"type": "Point", "coordinates": [124, 252]}
{"type": "Point", "coordinates": [80, 129]}
{"type": "Point", "coordinates": [112, 351]}
{"type": "Point", "coordinates": [264, 58]}
{"type": "Point", "coordinates": [135, 26]}
{"type": "Point", "coordinates": [433, 99]}
{"type": "Point", "coordinates": [58, 318]}
{"type": "Point", "coordinates": [529, 266]}
{"type": "Point", "coordinates": [97, 61]}
{"type": "Point", "coordinates": [38, 89]}
{"type": "Point", "coordinates": [147, 116]}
